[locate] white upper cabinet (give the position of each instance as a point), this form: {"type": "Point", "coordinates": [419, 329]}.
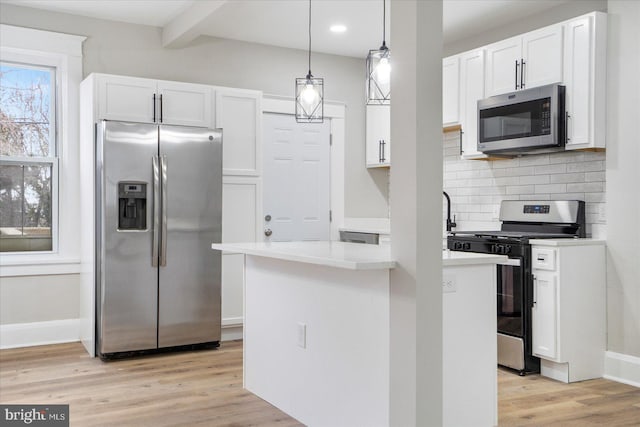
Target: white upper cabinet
{"type": "Point", "coordinates": [584, 77]}
{"type": "Point", "coordinates": [126, 98]}
{"type": "Point", "coordinates": [378, 135]}
{"type": "Point", "coordinates": [152, 101]}
{"type": "Point", "coordinates": [542, 57]}
{"type": "Point", "coordinates": [503, 66]}
{"type": "Point", "coordinates": [571, 53]}
{"type": "Point", "coordinates": [239, 113]}
{"type": "Point", "coordinates": [526, 61]}
{"type": "Point", "coordinates": [450, 90]}
{"type": "Point", "coordinates": [184, 104]}
{"type": "Point", "coordinates": [471, 90]}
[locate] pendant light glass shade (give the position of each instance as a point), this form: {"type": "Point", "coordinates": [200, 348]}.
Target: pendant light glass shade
{"type": "Point", "coordinates": [379, 69]}
{"type": "Point", "coordinates": [309, 99]}
{"type": "Point", "coordinates": [309, 93]}
{"type": "Point", "coordinates": [379, 76]}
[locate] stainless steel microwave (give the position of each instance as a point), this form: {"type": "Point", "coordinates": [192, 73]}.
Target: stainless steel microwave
{"type": "Point", "coordinates": [526, 121]}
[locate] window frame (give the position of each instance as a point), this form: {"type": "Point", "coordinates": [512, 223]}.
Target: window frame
{"type": "Point", "coordinates": [52, 159]}
{"type": "Point", "coordinates": [63, 52]}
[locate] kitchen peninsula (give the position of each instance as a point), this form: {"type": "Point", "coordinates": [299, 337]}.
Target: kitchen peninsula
{"type": "Point", "coordinates": [316, 331]}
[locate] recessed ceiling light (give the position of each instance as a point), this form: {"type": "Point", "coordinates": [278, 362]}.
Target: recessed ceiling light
{"type": "Point", "coordinates": [338, 28]}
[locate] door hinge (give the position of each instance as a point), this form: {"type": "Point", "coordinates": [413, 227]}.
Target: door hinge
{"type": "Point", "coordinates": [330, 139]}
{"type": "Point", "coordinates": [330, 215]}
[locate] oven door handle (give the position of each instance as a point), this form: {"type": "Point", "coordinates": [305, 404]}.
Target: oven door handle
{"type": "Point", "coordinates": [514, 262]}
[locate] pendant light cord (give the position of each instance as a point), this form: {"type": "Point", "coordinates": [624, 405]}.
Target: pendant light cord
{"type": "Point", "coordinates": [309, 76]}
{"type": "Point", "coordinates": [384, 24]}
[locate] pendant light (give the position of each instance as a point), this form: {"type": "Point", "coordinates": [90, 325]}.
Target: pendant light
{"type": "Point", "coordinates": [379, 69]}
{"type": "Point", "coordinates": [309, 93]}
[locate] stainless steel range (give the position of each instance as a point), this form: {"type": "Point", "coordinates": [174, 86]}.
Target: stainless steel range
{"type": "Point", "coordinates": [522, 221]}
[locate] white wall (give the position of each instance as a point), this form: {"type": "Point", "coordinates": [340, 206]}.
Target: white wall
{"type": "Point", "coordinates": [477, 187]}
{"type": "Point", "coordinates": [127, 49]}
{"type": "Point", "coordinates": [562, 12]}
{"type": "Point", "coordinates": [29, 299]}
{"type": "Point", "coordinates": [621, 160]}
{"type": "Point", "coordinates": [416, 182]}
{"type": "Point", "coordinates": [623, 178]}
{"type": "Point", "coordinates": [135, 50]}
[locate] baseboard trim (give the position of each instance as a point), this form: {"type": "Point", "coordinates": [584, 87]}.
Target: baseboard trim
{"type": "Point", "coordinates": [17, 335]}
{"type": "Point", "coordinates": [232, 328]}
{"type": "Point", "coordinates": [39, 333]}
{"type": "Point", "coordinates": [622, 368]}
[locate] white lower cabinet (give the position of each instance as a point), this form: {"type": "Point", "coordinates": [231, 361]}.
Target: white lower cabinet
{"type": "Point", "coordinates": [568, 312]}
{"type": "Point", "coordinates": [543, 313]}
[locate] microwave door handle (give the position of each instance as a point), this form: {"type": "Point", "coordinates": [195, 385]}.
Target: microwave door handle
{"type": "Point", "coordinates": [516, 79]}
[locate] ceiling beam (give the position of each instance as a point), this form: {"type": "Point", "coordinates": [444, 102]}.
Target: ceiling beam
{"type": "Point", "coordinates": [185, 28]}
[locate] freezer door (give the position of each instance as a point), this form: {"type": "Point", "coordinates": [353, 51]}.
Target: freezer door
{"type": "Point", "coordinates": [127, 280]}
{"type": "Point", "coordinates": [190, 272]}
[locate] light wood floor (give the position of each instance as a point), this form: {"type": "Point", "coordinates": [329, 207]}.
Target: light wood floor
{"type": "Point", "coordinates": [205, 388]}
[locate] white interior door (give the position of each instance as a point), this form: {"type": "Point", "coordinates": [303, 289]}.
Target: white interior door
{"type": "Point", "coordinates": [296, 195]}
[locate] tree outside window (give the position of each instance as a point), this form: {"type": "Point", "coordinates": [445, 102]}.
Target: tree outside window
{"type": "Point", "coordinates": [27, 157]}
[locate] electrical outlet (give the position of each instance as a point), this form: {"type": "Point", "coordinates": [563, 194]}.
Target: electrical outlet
{"type": "Point", "coordinates": [448, 284]}
{"type": "Point", "coordinates": [302, 335]}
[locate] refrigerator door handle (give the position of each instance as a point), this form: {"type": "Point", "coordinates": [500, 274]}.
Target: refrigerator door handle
{"type": "Point", "coordinates": [156, 212]}
{"type": "Point", "coordinates": [163, 241]}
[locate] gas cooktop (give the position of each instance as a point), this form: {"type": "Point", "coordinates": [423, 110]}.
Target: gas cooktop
{"type": "Point", "coordinates": [501, 234]}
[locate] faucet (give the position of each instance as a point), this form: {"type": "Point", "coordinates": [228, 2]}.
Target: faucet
{"type": "Point", "coordinates": [450, 224]}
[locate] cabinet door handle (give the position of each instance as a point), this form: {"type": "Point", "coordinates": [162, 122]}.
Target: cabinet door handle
{"type": "Point", "coordinates": [522, 64]}
{"type": "Point", "coordinates": [460, 141]}
{"type": "Point", "coordinates": [567, 116]}
{"type": "Point", "coordinates": [154, 108]}
{"type": "Point", "coordinates": [379, 151]}
{"type": "Point", "coordinates": [517, 65]}
{"type": "Point", "coordinates": [382, 159]}
{"type": "Point", "coordinates": [535, 293]}
{"type": "Point", "coordinates": [160, 108]}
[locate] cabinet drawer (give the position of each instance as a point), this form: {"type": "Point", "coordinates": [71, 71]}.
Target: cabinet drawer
{"type": "Point", "coordinates": [543, 258]}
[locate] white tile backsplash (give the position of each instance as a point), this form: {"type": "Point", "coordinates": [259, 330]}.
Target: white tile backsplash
{"type": "Point", "coordinates": [477, 187]}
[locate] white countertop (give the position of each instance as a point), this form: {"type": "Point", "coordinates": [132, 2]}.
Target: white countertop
{"type": "Point", "coordinates": [353, 256]}
{"type": "Point", "coordinates": [567, 242]}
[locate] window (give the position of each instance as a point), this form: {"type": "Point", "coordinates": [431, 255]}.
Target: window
{"type": "Point", "coordinates": [28, 163]}
{"type": "Point", "coordinates": [39, 162]}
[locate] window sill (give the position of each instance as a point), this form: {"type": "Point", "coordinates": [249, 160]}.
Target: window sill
{"type": "Point", "coordinates": [38, 266]}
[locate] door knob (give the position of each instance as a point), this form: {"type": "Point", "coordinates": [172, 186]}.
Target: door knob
{"type": "Point", "coordinates": [268, 232]}
{"type": "Point", "coordinates": [267, 218]}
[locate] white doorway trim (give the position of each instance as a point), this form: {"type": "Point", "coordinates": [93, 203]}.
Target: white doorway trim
{"type": "Point", "coordinates": [336, 112]}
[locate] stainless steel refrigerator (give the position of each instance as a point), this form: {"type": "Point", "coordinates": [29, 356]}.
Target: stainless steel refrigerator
{"type": "Point", "coordinates": [158, 209]}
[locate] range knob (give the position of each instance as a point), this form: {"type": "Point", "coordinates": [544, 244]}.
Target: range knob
{"type": "Point", "coordinates": [457, 246]}
{"type": "Point", "coordinates": [507, 249]}
{"type": "Point", "coordinates": [500, 249]}
{"type": "Point", "coordinates": [467, 246]}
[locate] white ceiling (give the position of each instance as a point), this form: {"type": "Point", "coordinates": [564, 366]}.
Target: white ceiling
{"type": "Point", "coordinates": [284, 22]}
